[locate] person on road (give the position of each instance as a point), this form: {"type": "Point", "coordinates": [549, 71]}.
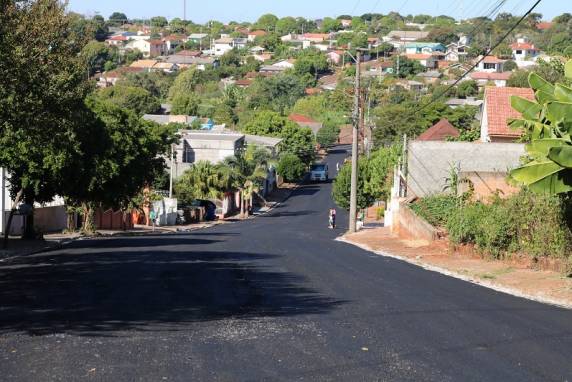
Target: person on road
{"type": "Point", "coordinates": [338, 166]}
{"type": "Point", "coordinates": [332, 218]}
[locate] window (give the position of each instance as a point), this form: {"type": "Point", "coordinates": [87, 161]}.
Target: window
{"type": "Point", "coordinates": [489, 66]}
{"type": "Point", "coordinates": [518, 51]}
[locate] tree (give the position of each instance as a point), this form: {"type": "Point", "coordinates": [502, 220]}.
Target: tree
{"type": "Point", "coordinates": [467, 89]}
{"type": "Point", "coordinates": [43, 84]}
{"type": "Point", "coordinates": [156, 83]}
{"type": "Point", "coordinates": [267, 22]}
{"type": "Point", "coordinates": [203, 180]}
{"type": "Point", "coordinates": [186, 82]}
{"type": "Point", "coordinates": [518, 79]}
{"type": "Point", "coordinates": [298, 141]}
{"type": "Point", "coordinates": [331, 25]}
{"type": "Point", "coordinates": [185, 104]}
{"type": "Point", "coordinates": [443, 34]}
{"type": "Point", "coordinates": [159, 22]}
{"type": "Point", "coordinates": [328, 135]}
{"type": "Point", "coordinates": [276, 93]}
{"type": "Point", "coordinates": [265, 123]}
{"type": "Point", "coordinates": [121, 153]}
{"type": "Point", "coordinates": [312, 62]}
{"type": "Point", "coordinates": [224, 114]}
{"type": "Point", "coordinates": [548, 122]}
{"type": "Point", "coordinates": [138, 100]}
{"type": "Point", "coordinates": [117, 19]}
{"type": "Point", "coordinates": [510, 65]}
{"type": "Point", "coordinates": [342, 187]}
{"type": "Point", "coordinates": [290, 167]}
{"type": "Point", "coordinates": [407, 67]}
{"type": "Point", "coordinates": [286, 25]}
{"type": "Point", "coordinates": [95, 55]}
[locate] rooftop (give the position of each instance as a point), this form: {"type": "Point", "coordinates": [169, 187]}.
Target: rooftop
{"type": "Point", "coordinates": [439, 132]}
{"type": "Point", "coordinates": [491, 76]}
{"type": "Point", "coordinates": [499, 111]}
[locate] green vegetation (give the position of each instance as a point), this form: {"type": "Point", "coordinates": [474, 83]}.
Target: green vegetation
{"type": "Point", "coordinates": [136, 99]}
{"type": "Point", "coordinates": [374, 179]}
{"type": "Point", "coordinates": [548, 121]}
{"type": "Point", "coordinates": [290, 167]}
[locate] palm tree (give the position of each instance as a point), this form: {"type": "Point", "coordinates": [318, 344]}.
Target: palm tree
{"type": "Point", "coordinates": [250, 169]}
{"type": "Point", "coordinates": [204, 181]}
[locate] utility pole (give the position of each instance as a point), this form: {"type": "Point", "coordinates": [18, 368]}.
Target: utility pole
{"type": "Point", "coordinates": [171, 172]}
{"type": "Point", "coordinates": [355, 138]}
{"type": "Point", "coordinates": [184, 10]}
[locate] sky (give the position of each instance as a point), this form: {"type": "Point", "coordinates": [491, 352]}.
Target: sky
{"type": "Point", "coordinates": [250, 10]}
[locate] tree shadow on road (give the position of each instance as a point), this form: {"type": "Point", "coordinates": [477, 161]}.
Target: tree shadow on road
{"type": "Point", "coordinates": [103, 291]}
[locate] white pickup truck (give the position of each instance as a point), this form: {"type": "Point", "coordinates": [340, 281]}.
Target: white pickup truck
{"type": "Point", "coordinates": [319, 172]}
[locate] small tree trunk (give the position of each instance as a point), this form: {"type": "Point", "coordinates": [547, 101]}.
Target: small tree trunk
{"type": "Point", "coordinates": [242, 206]}
{"type": "Point", "coordinates": [88, 218]}
{"type": "Point", "coordinates": [29, 230]}
{"type": "Point", "coordinates": [9, 222]}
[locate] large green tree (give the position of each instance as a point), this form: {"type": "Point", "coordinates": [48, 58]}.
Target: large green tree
{"type": "Point", "coordinates": [136, 99]}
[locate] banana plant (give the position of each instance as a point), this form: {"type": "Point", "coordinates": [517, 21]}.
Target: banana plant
{"type": "Point", "coordinates": [548, 122]}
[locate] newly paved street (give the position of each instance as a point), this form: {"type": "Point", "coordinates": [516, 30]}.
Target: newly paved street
{"type": "Point", "coordinates": [274, 298]}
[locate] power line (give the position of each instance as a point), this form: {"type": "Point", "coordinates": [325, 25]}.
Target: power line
{"type": "Point", "coordinates": [488, 52]}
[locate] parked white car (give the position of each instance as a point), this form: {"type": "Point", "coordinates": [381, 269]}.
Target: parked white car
{"type": "Point", "coordinates": [319, 172]}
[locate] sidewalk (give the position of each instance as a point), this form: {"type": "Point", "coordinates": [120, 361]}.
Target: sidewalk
{"type": "Point", "coordinates": [509, 277]}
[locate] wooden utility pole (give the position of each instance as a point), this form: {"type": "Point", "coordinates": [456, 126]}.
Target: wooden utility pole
{"type": "Point", "coordinates": [355, 137]}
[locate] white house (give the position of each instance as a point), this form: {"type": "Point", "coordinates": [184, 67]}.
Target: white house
{"type": "Point", "coordinates": [523, 50]}
{"type": "Point", "coordinates": [285, 64]}
{"type": "Point", "coordinates": [456, 52]}
{"type": "Point", "coordinates": [149, 48]}
{"type": "Point", "coordinates": [226, 44]}
{"type": "Point", "coordinates": [491, 64]}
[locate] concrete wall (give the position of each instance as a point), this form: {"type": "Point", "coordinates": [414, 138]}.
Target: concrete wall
{"type": "Point", "coordinates": [46, 220]}
{"type": "Point", "coordinates": [407, 224]}
{"type": "Point", "coordinates": [429, 163]}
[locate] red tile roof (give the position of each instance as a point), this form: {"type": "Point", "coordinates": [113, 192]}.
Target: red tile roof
{"type": "Point", "coordinates": [499, 110]}
{"type": "Point", "coordinates": [118, 38]}
{"type": "Point", "coordinates": [544, 25]}
{"type": "Point", "coordinates": [156, 42]}
{"type": "Point", "coordinates": [439, 132]}
{"type": "Point", "coordinates": [323, 36]}
{"type": "Point", "coordinates": [491, 76]}
{"type": "Point", "coordinates": [299, 118]}
{"type": "Point", "coordinates": [523, 46]}
{"type": "Point", "coordinates": [244, 82]}
{"type": "Point", "coordinates": [492, 60]}
{"type": "Point", "coordinates": [419, 56]}
{"type": "Point", "coordinates": [257, 33]}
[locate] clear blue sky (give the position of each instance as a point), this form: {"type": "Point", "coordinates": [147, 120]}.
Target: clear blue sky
{"type": "Point", "coordinates": [249, 10]}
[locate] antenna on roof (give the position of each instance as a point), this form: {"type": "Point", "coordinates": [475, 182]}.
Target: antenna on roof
{"type": "Point", "coordinates": [184, 10]}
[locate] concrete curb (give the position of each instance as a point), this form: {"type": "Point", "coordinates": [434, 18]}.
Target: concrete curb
{"type": "Point", "coordinates": [472, 280]}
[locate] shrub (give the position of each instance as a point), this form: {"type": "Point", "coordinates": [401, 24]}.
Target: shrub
{"type": "Point", "coordinates": [436, 209]}
{"type": "Point", "coordinates": [290, 167]}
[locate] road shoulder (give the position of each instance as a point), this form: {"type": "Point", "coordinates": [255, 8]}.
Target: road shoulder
{"type": "Point", "coordinates": [508, 277]}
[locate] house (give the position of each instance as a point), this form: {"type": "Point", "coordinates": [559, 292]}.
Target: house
{"type": "Point", "coordinates": [251, 36]}
{"type": "Point", "coordinates": [173, 42]}
{"type": "Point", "coordinates": [118, 41]}
{"type": "Point", "coordinates": [278, 67]}
{"type": "Point", "coordinates": [497, 112]}
{"type": "Point", "coordinates": [315, 37]}
{"type": "Point", "coordinates": [197, 37]}
{"type": "Point", "coordinates": [544, 25]}
{"type": "Point", "coordinates": [146, 65]}
{"type": "Point", "coordinates": [211, 146]}
{"type": "Point", "coordinates": [490, 64]}
{"type": "Point", "coordinates": [187, 61]}
{"type": "Point", "coordinates": [111, 77]}
{"type": "Point", "coordinates": [440, 131]}
{"type": "Point", "coordinates": [485, 78]}
{"type": "Point", "coordinates": [149, 48]}
{"type": "Point", "coordinates": [427, 60]}
{"type": "Point", "coordinates": [166, 67]}
{"type": "Point", "coordinates": [456, 52]}
{"type": "Point", "coordinates": [431, 76]}
{"type": "Point", "coordinates": [304, 121]}
{"type": "Point", "coordinates": [523, 50]}
{"type": "Point", "coordinates": [405, 36]}
{"type": "Point", "coordinates": [226, 44]}
{"type": "Point", "coordinates": [424, 47]}
{"type": "Point", "coordinates": [346, 23]}
{"type": "Point", "coordinates": [244, 83]}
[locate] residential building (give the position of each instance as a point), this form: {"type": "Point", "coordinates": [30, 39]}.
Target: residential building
{"type": "Point", "coordinates": [213, 147]}
{"type": "Point", "coordinates": [441, 131]}
{"type": "Point", "coordinates": [544, 25]}
{"type": "Point", "coordinates": [315, 37]}
{"type": "Point", "coordinates": [118, 41]}
{"type": "Point", "coordinates": [523, 50]}
{"type": "Point", "coordinates": [111, 77]}
{"type": "Point", "coordinates": [486, 78]}
{"type": "Point", "coordinates": [173, 42]}
{"type": "Point", "coordinates": [197, 37]}
{"type": "Point", "coordinates": [427, 60]}
{"type": "Point", "coordinates": [497, 112]}
{"type": "Point", "coordinates": [456, 52]}
{"type": "Point", "coordinates": [424, 47]}
{"type": "Point", "coordinates": [146, 65]}
{"type": "Point", "coordinates": [431, 76]}
{"type": "Point", "coordinates": [405, 36]}
{"type": "Point", "coordinates": [490, 64]}
{"type": "Point", "coordinates": [226, 44]}
{"type": "Point", "coordinates": [149, 48]}
{"type": "Point", "coordinates": [335, 57]}
{"type": "Point", "coordinates": [251, 36]}
{"type": "Point", "coordinates": [186, 61]}
{"type": "Point", "coordinates": [304, 121]}
{"type": "Point", "coordinates": [346, 23]}
{"type": "Point", "coordinates": [328, 82]}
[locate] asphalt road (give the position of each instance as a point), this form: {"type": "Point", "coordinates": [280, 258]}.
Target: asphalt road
{"type": "Point", "coordinates": [270, 299]}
